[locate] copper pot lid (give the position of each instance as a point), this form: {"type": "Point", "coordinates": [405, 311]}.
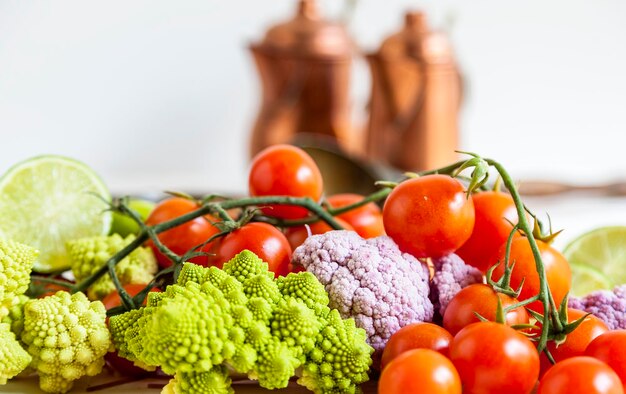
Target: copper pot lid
{"type": "Point", "coordinates": [308, 35]}
{"type": "Point", "coordinates": [418, 41]}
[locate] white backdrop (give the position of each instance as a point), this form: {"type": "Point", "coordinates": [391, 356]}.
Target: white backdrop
{"type": "Point", "coordinates": [158, 94]}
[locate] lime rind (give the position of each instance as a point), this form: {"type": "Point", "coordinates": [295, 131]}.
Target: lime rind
{"type": "Point", "coordinates": [46, 201]}
{"type": "Point", "coordinates": [597, 259]}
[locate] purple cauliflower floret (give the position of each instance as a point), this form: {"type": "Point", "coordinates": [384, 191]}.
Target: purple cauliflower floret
{"type": "Point", "coordinates": [369, 280]}
{"type": "Point", "coordinates": [451, 275]}
{"type": "Point", "coordinates": [608, 306]}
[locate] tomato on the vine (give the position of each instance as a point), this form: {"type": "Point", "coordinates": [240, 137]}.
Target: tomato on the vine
{"type": "Point", "coordinates": [113, 299]}
{"type": "Point", "coordinates": [494, 212]}
{"type": "Point", "coordinates": [182, 238]}
{"type": "Point", "coordinates": [420, 371]}
{"type": "Point", "coordinates": [580, 375]}
{"type": "Point", "coordinates": [287, 171]}
{"type": "Point", "coordinates": [264, 240]}
{"type": "Point", "coordinates": [557, 269]}
{"type": "Point", "coordinates": [482, 299]}
{"type": "Point", "coordinates": [494, 358]}
{"type": "Point", "coordinates": [429, 216]}
{"type": "Point", "coordinates": [416, 336]}
{"type": "Point", "coordinates": [296, 235]}
{"type": "Point", "coordinates": [576, 341]}
{"type": "Point", "coordinates": [609, 348]}
{"type": "Point", "coordinates": [366, 220]}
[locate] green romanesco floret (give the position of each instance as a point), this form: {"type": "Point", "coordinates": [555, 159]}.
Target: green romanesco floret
{"type": "Point", "coordinates": [67, 337]}
{"type": "Point", "coordinates": [16, 262]}
{"type": "Point", "coordinates": [340, 360]}
{"type": "Point", "coordinates": [245, 265]}
{"type": "Point", "coordinates": [262, 286]}
{"type": "Point", "coordinates": [215, 381]}
{"type": "Point", "coordinates": [304, 286]}
{"type": "Point", "coordinates": [87, 255]}
{"type": "Point", "coordinates": [13, 358]}
{"type": "Point", "coordinates": [250, 323]}
{"type": "Point", "coordinates": [15, 316]}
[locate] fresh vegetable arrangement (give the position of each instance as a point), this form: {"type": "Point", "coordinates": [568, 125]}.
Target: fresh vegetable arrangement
{"type": "Point", "coordinates": [447, 289]}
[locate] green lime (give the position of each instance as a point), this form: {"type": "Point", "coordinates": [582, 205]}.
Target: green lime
{"type": "Point", "coordinates": [597, 259]}
{"type": "Point", "coordinates": [124, 225]}
{"type": "Point", "coordinates": [48, 200]}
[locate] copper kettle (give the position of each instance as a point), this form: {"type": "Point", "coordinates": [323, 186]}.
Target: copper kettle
{"type": "Point", "coordinates": [304, 66]}
{"type": "Point", "coordinates": [415, 99]}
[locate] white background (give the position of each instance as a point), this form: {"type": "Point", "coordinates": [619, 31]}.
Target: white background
{"type": "Point", "coordinates": [158, 94]}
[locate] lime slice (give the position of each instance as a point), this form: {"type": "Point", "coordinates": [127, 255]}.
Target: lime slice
{"type": "Point", "coordinates": [597, 259]}
{"type": "Point", "coordinates": [48, 200]}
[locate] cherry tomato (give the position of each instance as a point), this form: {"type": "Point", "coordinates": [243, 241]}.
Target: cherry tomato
{"type": "Point", "coordinates": [482, 299]}
{"type": "Point", "coordinates": [285, 170]}
{"type": "Point", "coordinates": [494, 358]}
{"type": "Point", "coordinates": [494, 211]}
{"type": "Point", "coordinates": [429, 216]}
{"type": "Point", "coordinates": [182, 238]}
{"type": "Point", "coordinates": [419, 371]}
{"type": "Point", "coordinates": [366, 220]}
{"type": "Point", "coordinates": [556, 266]}
{"type": "Point", "coordinates": [580, 375]}
{"type": "Point", "coordinates": [610, 348]}
{"type": "Point", "coordinates": [263, 239]}
{"type": "Point", "coordinates": [416, 336]}
{"type": "Point", "coordinates": [113, 299]}
{"type": "Point", "coordinates": [298, 234]}
{"type": "Point", "coordinates": [576, 341]}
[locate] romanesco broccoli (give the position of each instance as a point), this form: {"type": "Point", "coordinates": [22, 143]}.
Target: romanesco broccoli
{"type": "Point", "coordinates": [215, 381]}
{"type": "Point", "coordinates": [16, 262]}
{"type": "Point", "coordinates": [13, 358]}
{"type": "Point", "coordinates": [67, 337]}
{"type": "Point", "coordinates": [15, 316]}
{"type": "Point", "coordinates": [89, 254]}
{"type": "Point", "coordinates": [265, 328]}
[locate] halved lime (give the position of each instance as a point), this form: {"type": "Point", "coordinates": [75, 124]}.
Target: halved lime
{"type": "Point", "coordinates": [597, 259]}
{"type": "Point", "coordinates": [48, 200]}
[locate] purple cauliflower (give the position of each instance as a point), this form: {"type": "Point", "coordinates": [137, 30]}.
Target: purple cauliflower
{"type": "Point", "coordinates": [369, 280]}
{"type": "Point", "coordinates": [608, 306]}
{"type": "Point", "coordinates": [451, 275]}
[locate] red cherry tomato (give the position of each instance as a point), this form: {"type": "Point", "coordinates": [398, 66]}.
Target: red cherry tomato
{"type": "Point", "coordinates": [298, 234]}
{"type": "Point", "coordinates": [420, 371]}
{"type": "Point", "coordinates": [494, 358]}
{"type": "Point", "coordinates": [182, 238]}
{"type": "Point", "coordinates": [580, 375]}
{"type": "Point", "coordinates": [113, 299]}
{"type": "Point", "coordinates": [285, 170]}
{"type": "Point", "coordinates": [482, 299]}
{"type": "Point", "coordinates": [576, 341]}
{"type": "Point", "coordinates": [556, 266]}
{"type": "Point", "coordinates": [416, 336]}
{"type": "Point", "coordinates": [263, 239]}
{"type": "Point", "coordinates": [495, 211]}
{"type": "Point", "coordinates": [429, 216]}
{"type": "Point", "coordinates": [367, 220]}
{"type": "Point", "coordinates": [610, 348]}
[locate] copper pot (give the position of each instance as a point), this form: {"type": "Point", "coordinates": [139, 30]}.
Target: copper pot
{"type": "Point", "coordinates": [304, 66]}
{"type": "Point", "coordinates": [415, 99]}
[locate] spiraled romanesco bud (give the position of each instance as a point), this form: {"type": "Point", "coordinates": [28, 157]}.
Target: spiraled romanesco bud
{"type": "Point", "coordinates": [16, 262]}
{"type": "Point", "coordinates": [15, 316]}
{"type": "Point", "coordinates": [245, 265]}
{"type": "Point", "coordinates": [215, 381]}
{"type": "Point", "coordinates": [340, 360]}
{"type": "Point", "coordinates": [67, 337]}
{"type": "Point", "coordinates": [303, 286]}
{"type": "Point", "coordinates": [191, 273]}
{"type": "Point", "coordinates": [296, 325]}
{"type": "Point", "coordinates": [89, 254]}
{"type": "Point", "coordinates": [275, 365]}
{"type": "Point", "coordinates": [261, 309]}
{"type": "Point", "coordinates": [262, 286]}
{"type": "Point", "coordinates": [124, 330]}
{"type": "Point", "coordinates": [13, 358]}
